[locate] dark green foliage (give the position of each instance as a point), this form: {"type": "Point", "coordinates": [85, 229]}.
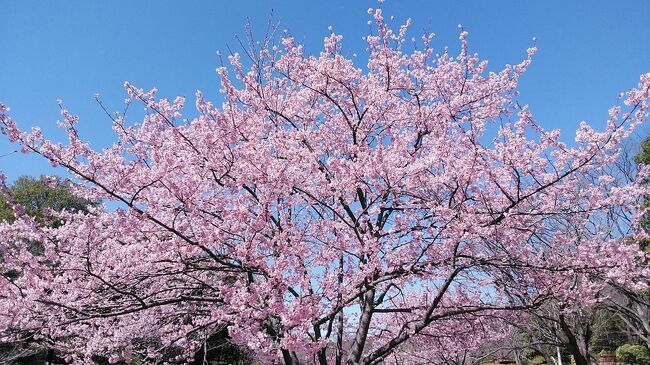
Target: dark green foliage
{"type": "Point", "coordinates": [633, 354]}
{"type": "Point", "coordinates": [35, 196]}
{"type": "Point", "coordinates": [643, 157]}
{"type": "Point", "coordinates": [537, 359]}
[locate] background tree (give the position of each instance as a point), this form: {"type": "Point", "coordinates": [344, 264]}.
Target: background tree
{"type": "Point", "coordinates": [557, 325]}
{"type": "Point", "coordinates": [39, 195]}
{"type": "Point", "coordinates": [643, 157]}
{"type": "Point", "coordinates": [609, 331]}
{"type": "Point", "coordinates": [633, 309]}
{"type": "Point", "coordinates": [633, 354]}
{"type": "Point", "coordinates": [326, 213]}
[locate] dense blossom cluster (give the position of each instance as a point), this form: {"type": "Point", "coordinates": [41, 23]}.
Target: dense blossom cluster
{"type": "Point", "coordinates": [324, 213]}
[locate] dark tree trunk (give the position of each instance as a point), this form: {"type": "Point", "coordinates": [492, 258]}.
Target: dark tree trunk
{"type": "Point", "coordinates": [50, 356]}
{"type": "Point", "coordinates": [578, 343]}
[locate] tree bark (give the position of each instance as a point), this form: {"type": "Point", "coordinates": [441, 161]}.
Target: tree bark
{"type": "Point", "coordinates": [577, 344]}
{"type": "Point", "coordinates": [362, 332]}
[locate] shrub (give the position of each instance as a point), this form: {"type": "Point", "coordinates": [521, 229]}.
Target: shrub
{"type": "Point", "coordinates": [538, 359]}
{"type": "Point", "coordinates": [633, 354]}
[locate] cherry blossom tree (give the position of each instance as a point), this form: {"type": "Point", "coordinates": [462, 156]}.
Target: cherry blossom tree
{"type": "Point", "coordinates": [36, 196]}
{"type": "Point", "coordinates": [325, 213]}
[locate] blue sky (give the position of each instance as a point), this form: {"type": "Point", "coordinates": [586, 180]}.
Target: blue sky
{"type": "Point", "coordinates": [589, 51]}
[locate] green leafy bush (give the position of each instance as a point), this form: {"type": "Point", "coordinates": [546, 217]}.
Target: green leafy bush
{"type": "Point", "coordinates": [538, 359]}
{"type": "Point", "coordinates": [633, 354]}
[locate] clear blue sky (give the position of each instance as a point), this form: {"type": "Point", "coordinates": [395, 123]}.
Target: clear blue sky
{"type": "Point", "coordinates": [589, 51]}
